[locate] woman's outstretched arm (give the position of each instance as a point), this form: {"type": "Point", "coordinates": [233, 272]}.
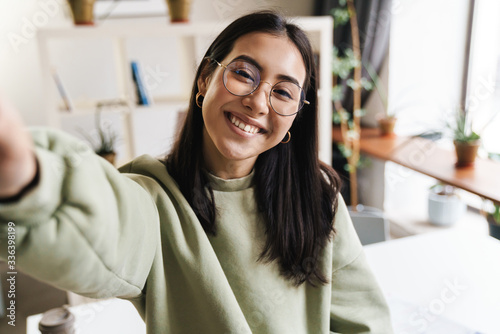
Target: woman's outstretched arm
{"type": "Point", "coordinates": [82, 226]}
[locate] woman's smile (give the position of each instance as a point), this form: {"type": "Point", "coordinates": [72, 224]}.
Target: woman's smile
{"type": "Point", "coordinates": [246, 126]}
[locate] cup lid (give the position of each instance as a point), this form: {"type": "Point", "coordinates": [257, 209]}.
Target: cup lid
{"type": "Point", "coordinates": [56, 319]}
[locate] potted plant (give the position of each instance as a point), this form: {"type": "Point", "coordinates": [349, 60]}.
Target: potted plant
{"type": "Point", "coordinates": [466, 141]}
{"type": "Point", "coordinates": [387, 120]}
{"type": "Point", "coordinates": [493, 219]}
{"type": "Point", "coordinates": [83, 11]}
{"type": "Point", "coordinates": [104, 138]}
{"type": "Point", "coordinates": [179, 10]}
{"type": "Point", "coordinates": [445, 206]}
{"type": "Point", "coordinates": [343, 66]}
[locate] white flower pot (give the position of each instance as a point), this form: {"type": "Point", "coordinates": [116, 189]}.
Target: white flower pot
{"type": "Point", "coordinates": [445, 210]}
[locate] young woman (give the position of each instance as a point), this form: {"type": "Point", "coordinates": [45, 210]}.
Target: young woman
{"type": "Point", "coordinates": [239, 230]}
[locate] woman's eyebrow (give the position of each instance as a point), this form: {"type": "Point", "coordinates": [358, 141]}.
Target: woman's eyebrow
{"type": "Point", "coordinates": [281, 77]}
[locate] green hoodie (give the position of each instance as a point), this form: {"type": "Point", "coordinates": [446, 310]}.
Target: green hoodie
{"type": "Point", "coordinates": [99, 232]}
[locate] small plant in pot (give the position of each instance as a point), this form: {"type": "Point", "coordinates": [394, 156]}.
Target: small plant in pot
{"type": "Point", "coordinates": [444, 205]}
{"type": "Point", "coordinates": [493, 219]}
{"type": "Point", "coordinates": [386, 120]}
{"type": "Point", "coordinates": [103, 139]}
{"type": "Point", "coordinates": [466, 141]}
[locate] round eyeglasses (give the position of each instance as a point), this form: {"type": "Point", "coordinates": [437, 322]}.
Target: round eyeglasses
{"type": "Point", "coordinates": [242, 78]}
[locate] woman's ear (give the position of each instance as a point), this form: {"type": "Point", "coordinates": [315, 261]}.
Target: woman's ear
{"type": "Point", "coordinates": [202, 85]}
{"type": "Point", "coordinates": [203, 79]}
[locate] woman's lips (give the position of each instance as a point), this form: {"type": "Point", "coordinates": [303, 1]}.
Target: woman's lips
{"type": "Point", "coordinates": [244, 126]}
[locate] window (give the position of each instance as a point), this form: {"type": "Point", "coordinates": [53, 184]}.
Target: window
{"type": "Point", "coordinates": [483, 94]}
{"type": "Point", "coordinates": [426, 62]}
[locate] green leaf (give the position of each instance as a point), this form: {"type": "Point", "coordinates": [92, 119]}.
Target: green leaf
{"type": "Point", "coordinates": [337, 94]}
{"type": "Point", "coordinates": [340, 16]}
{"type": "Point", "coordinates": [462, 130]}
{"type": "Point", "coordinates": [336, 118]}
{"type": "Point", "coordinates": [344, 115]}
{"type": "Point", "coordinates": [345, 151]}
{"type": "Point", "coordinates": [351, 83]}
{"type": "Point", "coordinates": [360, 112]}
{"type": "Point", "coordinates": [496, 213]}
{"type": "Point", "coordinates": [366, 84]}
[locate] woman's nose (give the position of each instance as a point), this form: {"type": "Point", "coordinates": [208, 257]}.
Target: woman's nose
{"type": "Point", "coordinates": [258, 100]}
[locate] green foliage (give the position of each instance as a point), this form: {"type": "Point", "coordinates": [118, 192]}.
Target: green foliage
{"type": "Point", "coordinates": [343, 65]}
{"type": "Point", "coordinates": [496, 213]}
{"type": "Point", "coordinates": [462, 129]}
{"type": "Point", "coordinates": [337, 93]}
{"type": "Point", "coordinates": [104, 139]}
{"type": "Point", "coordinates": [360, 112]}
{"type": "Point", "coordinates": [340, 16]}
{"type": "Point", "coordinates": [363, 161]}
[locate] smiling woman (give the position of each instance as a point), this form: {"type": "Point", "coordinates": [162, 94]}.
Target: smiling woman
{"type": "Point", "coordinates": [240, 229]}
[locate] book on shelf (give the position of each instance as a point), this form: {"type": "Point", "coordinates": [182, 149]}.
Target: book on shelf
{"type": "Point", "coordinates": [143, 97]}
{"type": "Point", "coordinates": [68, 104]}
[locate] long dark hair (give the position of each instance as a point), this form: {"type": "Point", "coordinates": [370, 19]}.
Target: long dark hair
{"type": "Point", "coordinates": [296, 193]}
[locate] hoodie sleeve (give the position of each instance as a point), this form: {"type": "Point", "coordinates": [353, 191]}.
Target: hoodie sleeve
{"type": "Point", "coordinates": [83, 227]}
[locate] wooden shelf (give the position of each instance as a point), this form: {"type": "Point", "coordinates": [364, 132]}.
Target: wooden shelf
{"type": "Point", "coordinates": [190, 43]}
{"type": "Point", "coordinates": [426, 157]}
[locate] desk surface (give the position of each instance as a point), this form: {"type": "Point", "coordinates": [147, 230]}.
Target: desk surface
{"type": "Point", "coordinates": [441, 282]}
{"type": "Point", "coordinates": [436, 283]}
{"type": "Point", "coordinates": [426, 157]}
{"type": "Point", "coordinates": [101, 317]}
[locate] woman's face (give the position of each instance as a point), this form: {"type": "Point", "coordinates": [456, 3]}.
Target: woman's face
{"type": "Point", "coordinates": [230, 151]}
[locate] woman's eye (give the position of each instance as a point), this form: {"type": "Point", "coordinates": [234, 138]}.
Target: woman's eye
{"type": "Point", "coordinates": [244, 74]}
{"type": "Point", "coordinates": [283, 94]}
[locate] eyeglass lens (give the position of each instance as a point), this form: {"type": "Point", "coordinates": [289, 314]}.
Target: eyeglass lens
{"type": "Point", "coordinates": [242, 78]}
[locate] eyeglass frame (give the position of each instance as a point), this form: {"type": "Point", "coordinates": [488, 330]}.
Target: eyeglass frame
{"type": "Point", "coordinates": [304, 101]}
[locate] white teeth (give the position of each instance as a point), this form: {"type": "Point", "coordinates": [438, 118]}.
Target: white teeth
{"type": "Point", "coordinates": [245, 127]}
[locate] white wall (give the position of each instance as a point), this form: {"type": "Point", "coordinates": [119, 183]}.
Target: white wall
{"type": "Point", "coordinates": [20, 77]}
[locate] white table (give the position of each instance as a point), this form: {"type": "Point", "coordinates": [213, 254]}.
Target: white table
{"type": "Point", "coordinates": [437, 283]}
{"type": "Point", "coordinates": [104, 316]}
{"type": "Point", "coordinates": [443, 282]}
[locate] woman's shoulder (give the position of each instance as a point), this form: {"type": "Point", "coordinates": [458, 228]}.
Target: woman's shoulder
{"type": "Point", "coordinates": [151, 172]}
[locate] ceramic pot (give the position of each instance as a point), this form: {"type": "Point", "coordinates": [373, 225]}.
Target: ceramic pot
{"type": "Point", "coordinates": [386, 125]}
{"type": "Point", "coordinates": [466, 153]}
{"type": "Point", "coordinates": [494, 227]}
{"type": "Point", "coordinates": [446, 209]}
{"type": "Point", "coordinates": [179, 10]}
{"type": "Point", "coordinates": [83, 11]}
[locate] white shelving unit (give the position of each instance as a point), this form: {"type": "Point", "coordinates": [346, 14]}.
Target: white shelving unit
{"type": "Point", "coordinates": [192, 39]}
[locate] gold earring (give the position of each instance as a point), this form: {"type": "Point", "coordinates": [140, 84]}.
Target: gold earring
{"type": "Point", "coordinates": [198, 103]}
{"type": "Point", "coordinates": [289, 137]}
